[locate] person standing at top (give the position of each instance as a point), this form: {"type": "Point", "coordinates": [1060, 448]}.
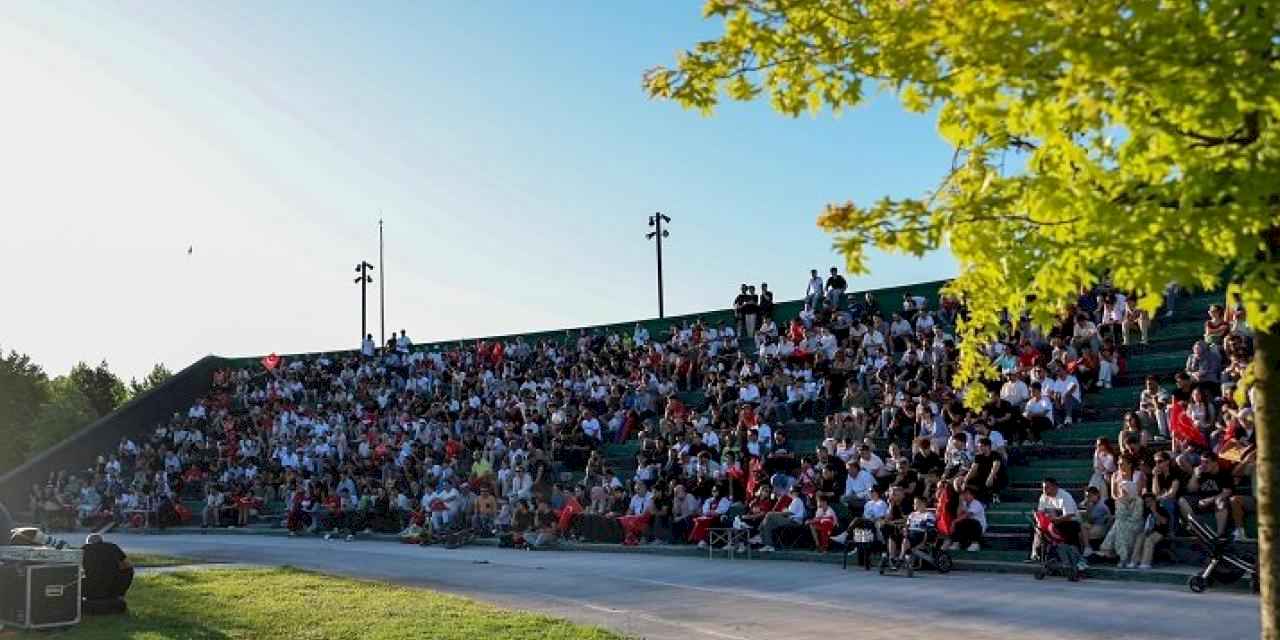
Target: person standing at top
{"type": "Point", "coordinates": [750, 313]}
{"type": "Point", "coordinates": [367, 347]}
{"type": "Point", "coordinates": [814, 291]}
{"type": "Point", "coordinates": [739, 308]}
{"type": "Point", "coordinates": [836, 286]}
{"type": "Point", "coordinates": [766, 301]}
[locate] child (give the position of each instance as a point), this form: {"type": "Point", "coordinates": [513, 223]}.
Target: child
{"type": "Point", "coordinates": [919, 522]}
{"type": "Point", "coordinates": [820, 526]}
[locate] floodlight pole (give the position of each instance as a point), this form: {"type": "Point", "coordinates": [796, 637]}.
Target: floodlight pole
{"type": "Point", "coordinates": [382, 290]}
{"type": "Point", "coordinates": [658, 234]}
{"type": "Point", "coordinates": [363, 279]}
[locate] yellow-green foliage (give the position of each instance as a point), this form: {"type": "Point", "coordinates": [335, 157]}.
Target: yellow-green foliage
{"type": "Point", "coordinates": [1141, 136]}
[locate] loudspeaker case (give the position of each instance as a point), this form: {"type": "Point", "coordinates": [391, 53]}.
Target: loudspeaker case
{"type": "Point", "coordinates": [50, 596]}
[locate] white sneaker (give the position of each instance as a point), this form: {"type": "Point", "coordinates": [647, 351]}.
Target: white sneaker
{"type": "Point", "coordinates": [328, 536]}
{"type": "Point", "coordinates": [755, 540]}
{"type": "Point", "coordinates": [1144, 567]}
{"type": "Point", "coordinates": [975, 547]}
{"type": "Point", "coordinates": [702, 544]}
{"type": "Point", "coordinates": [767, 549]}
{"type": "Point", "coordinates": [840, 538]}
{"type": "Point", "coordinates": [741, 548]}
{"type": "Point", "coordinates": [1088, 551]}
{"type": "Point", "coordinates": [1066, 420]}
{"type": "Point", "coordinates": [1240, 536]}
{"type": "Point", "coordinates": [350, 537]}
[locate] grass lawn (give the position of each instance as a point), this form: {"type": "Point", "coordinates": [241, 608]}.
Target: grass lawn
{"type": "Point", "coordinates": [158, 560]}
{"type": "Point", "coordinates": [228, 604]}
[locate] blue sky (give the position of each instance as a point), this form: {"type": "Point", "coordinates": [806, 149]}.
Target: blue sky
{"type": "Point", "coordinates": [508, 146]}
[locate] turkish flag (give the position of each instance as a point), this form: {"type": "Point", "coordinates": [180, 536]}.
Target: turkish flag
{"type": "Point", "coordinates": [1184, 428]}
{"type": "Point", "coordinates": [271, 362]}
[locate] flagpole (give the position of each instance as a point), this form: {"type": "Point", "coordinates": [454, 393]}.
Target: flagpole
{"type": "Point", "coordinates": [382, 287]}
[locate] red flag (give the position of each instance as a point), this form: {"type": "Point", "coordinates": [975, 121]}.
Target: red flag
{"type": "Point", "coordinates": [271, 362]}
{"type": "Point", "coordinates": [1184, 428]}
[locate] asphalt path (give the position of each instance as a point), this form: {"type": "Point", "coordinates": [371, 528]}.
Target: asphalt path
{"type": "Point", "coordinates": [683, 598]}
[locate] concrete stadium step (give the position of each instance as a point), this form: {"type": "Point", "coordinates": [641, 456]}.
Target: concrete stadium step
{"type": "Point", "coordinates": [1084, 432]}
{"type": "Point", "coordinates": [1160, 363]}
{"type": "Point", "coordinates": [1069, 476]}
{"type": "Point", "coordinates": [1118, 397]}
{"type": "Point", "coordinates": [1181, 333]}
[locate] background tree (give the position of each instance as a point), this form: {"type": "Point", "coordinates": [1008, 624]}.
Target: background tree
{"type": "Point", "coordinates": [104, 389]}
{"type": "Point", "coordinates": [1141, 140]}
{"type": "Point", "coordinates": [156, 377]}
{"type": "Point", "coordinates": [67, 411]}
{"type": "Point", "coordinates": [23, 388]}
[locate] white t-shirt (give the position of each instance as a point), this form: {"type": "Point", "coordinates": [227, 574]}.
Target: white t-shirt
{"type": "Point", "coordinates": [1060, 505]}
{"type": "Point", "coordinates": [978, 512]}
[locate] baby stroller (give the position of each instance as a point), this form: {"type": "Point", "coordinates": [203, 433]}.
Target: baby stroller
{"type": "Point", "coordinates": [1226, 564]}
{"type": "Point", "coordinates": [1057, 556]}
{"type": "Point", "coordinates": [861, 542]}
{"type": "Point", "coordinates": [928, 552]}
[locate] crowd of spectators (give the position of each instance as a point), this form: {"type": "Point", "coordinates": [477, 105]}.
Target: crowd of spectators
{"type": "Point", "coordinates": [508, 437]}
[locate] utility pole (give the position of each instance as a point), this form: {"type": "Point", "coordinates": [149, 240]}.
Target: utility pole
{"type": "Point", "coordinates": [658, 234]}
{"type": "Point", "coordinates": [363, 279]}
{"type": "Point", "coordinates": [382, 289]}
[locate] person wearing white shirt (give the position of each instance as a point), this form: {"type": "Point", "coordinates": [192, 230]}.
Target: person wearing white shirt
{"type": "Point", "coordinates": [870, 462]}
{"type": "Point", "coordinates": [448, 497]}
{"type": "Point", "coordinates": [213, 502]}
{"type": "Point", "coordinates": [367, 346]}
{"type": "Point", "coordinates": [857, 486]}
{"type": "Point", "coordinates": [1014, 390]}
{"type": "Point", "coordinates": [711, 439]}
{"type": "Point", "coordinates": [1066, 393]}
{"type": "Point", "coordinates": [1038, 412]}
{"type": "Point", "coordinates": [521, 485]}
{"type": "Point", "coordinates": [749, 393]}
{"type": "Point", "coordinates": [591, 427]}
{"type": "Point", "coordinates": [793, 515]}
{"type": "Point", "coordinates": [876, 509]}
{"type": "Point", "coordinates": [970, 524]}
{"type": "Point", "coordinates": [640, 501]}
{"type": "Point", "coordinates": [1062, 510]}
{"type": "Point", "coordinates": [814, 291]}
{"type": "Point", "coordinates": [873, 340]}
{"type": "Point", "coordinates": [764, 436]}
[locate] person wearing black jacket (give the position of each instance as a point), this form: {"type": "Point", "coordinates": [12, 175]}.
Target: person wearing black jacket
{"type": "Point", "coordinates": [766, 301]}
{"type": "Point", "coordinates": [108, 574]}
{"type": "Point", "coordinates": [836, 286]}
{"type": "Point", "coordinates": [740, 304]}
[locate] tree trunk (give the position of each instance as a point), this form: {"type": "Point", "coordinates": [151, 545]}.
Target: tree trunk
{"type": "Point", "coordinates": [1267, 420]}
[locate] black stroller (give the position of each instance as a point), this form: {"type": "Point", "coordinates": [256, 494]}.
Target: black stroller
{"type": "Point", "coordinates": [1057, 556]}
{"type": "Point", "coordinates": [1226, 564]}
{"type": "Point", "coordinates": [929, 553]}
{"type": "Point", "coordinates": [861, 542]}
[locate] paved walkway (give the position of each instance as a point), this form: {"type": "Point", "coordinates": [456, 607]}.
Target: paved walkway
{"type": "Point", "coordinates": [673, 598]}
